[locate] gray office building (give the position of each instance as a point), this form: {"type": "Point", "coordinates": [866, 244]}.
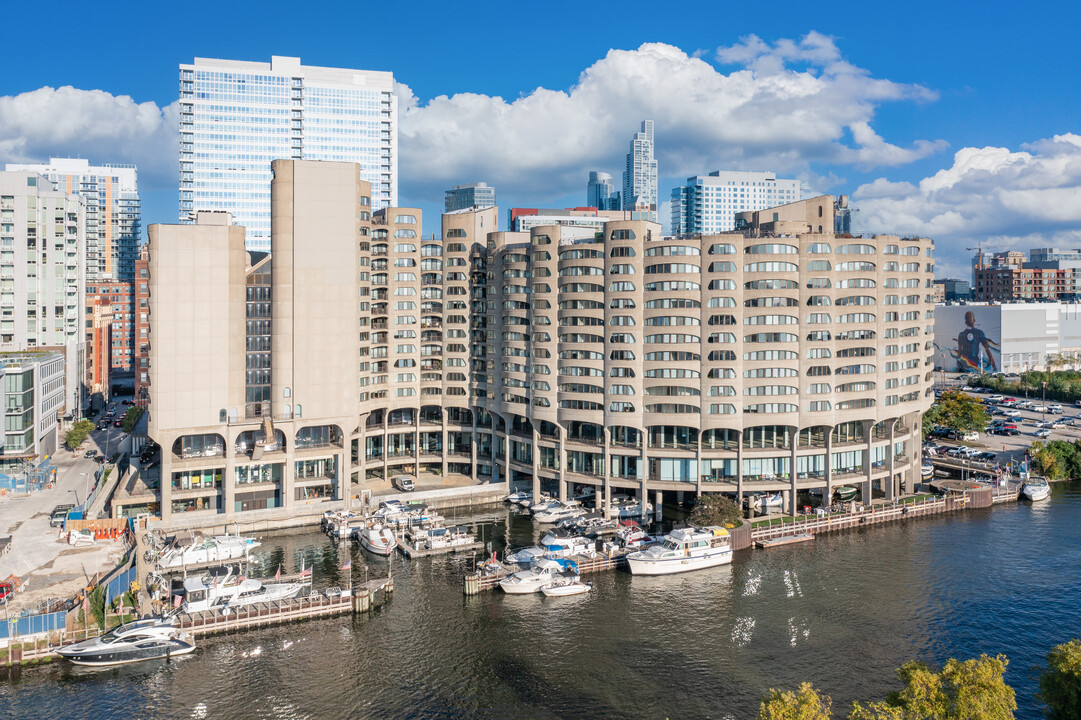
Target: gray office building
{"type": "Point", "coordinates": [473, 195]}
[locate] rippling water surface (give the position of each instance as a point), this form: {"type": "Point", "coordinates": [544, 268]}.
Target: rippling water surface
{"type": "Point", "coordinates": [842, 613]}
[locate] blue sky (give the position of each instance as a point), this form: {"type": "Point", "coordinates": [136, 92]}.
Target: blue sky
{"type": "Point", "coordinates": [939, 118]}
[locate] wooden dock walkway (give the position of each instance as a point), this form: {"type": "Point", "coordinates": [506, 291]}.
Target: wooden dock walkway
{"type": "Point", "coordinates": [476, 583]}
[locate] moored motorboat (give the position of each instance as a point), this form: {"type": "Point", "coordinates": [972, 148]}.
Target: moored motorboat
{"type": "Point", "coordinates": [682, 550]}
{"type": "Point", "coordinates": [927, 471]}
{"type": "Point", "coordinates": [377, 539]}
{"type": "Point", "coordinates": [219, 548]}
{"type": "Point", "coordinates": [149, 639]}
{"type": "Point", "coordinates": [844, 493]}
{"type": "Point", "coordinates": [559, 512]}
{"type": "Point", "coordinates": [526, 556]}
{"type": "Point", "coordinates": [633, 536]}
{"type": "Point", "coordinates": [223, 587]}
{"type": "Point", "coordinates": [629, 509]}
{"type": "Point", "coordinates": [567, 584]}
{"type": "Point", "coordinates": [563, 543]}
{"type": "Point", "coordinates": [517, 496]}
{"type": "Point", "coordinates": [543, 573]}
{"type": "Point", "coordinates": [1036, 488]}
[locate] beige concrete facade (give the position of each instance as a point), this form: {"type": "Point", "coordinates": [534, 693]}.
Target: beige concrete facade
{"type": "Point", "coordinates": [774, 359]}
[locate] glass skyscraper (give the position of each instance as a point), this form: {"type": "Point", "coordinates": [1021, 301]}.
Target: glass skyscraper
{"type": "Point", "coordinates": [707, 204]}
{"type": "Point", "coordinates": [640, 177]}
{"type": "Point", "coordinates": [236, 117]}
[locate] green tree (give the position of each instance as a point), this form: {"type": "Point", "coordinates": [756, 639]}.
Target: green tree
{"type": "Point", "coordinates": [875, 711]}
{"type": "Point", "coordinates": [962, 690]}
{"type": "Point", "coordinates": [1060, 683]}
{"type": "Point", "coordinates": [130, 418]}
{"type": "Point", "coordinates": [960, 411]}
{"type": "Point", "coordinates": [714, 509]}
{"type": "Point", "coordinates": [806, 703]}
{"type": "Point", "coordinates": [78, 433]}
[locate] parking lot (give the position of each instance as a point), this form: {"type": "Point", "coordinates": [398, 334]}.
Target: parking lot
{"type": "Point", "coordinates": [1034, 422]}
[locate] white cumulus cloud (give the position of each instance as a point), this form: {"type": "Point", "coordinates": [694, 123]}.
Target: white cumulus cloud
{"type": "Point", "coordinates": [68, 122]}
{"type": "Point", "coordinates": [783, 106]}
{"type": "Point", "coordinates": [1008, 200]}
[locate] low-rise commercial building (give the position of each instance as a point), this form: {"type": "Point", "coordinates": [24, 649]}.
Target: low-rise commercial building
{"type": "Point", "coordinates": [1007, 337]}
{"type": "Point", "coordinates": [34, 402]}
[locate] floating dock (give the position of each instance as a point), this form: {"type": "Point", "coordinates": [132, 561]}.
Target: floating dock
{"type": "Point", "coordinates": [409, 550]}
{"type": "Point", "coordinates": [785, 540]}
{"type": "Point", "coordinates": [476, 582]}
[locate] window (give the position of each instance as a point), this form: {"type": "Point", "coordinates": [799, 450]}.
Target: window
{"type": "Point", "coordinates": [774, 284]}
{"type": "Point", "coordinates": [722, 249]}
{"type": "Point", "coordinates": [622, 235]}
{"type": "Point", "coordinates": [769, 320]}
{"type": "Point", "coordinates": [621, 251]}
{"type": "Point", "coordinates": [672, 286]}
{"type": "Point", "coordinates": [771, 249]}
{"type": "Point", "coordinates": [859, 266]}
{"type": "Point", "coordinates": [773, 337]}
{"type": "Point", "coordinates": [672, 250]}
{"type": "Point", "coordinates": [672, 268]}
{"type": "Point", "coordinates": [818, 248]}
{"type": "Point", "coordinates": [856, 249]}
{"type": "Point", "coordinates": [771, 267]}
{"type": "Point", "coordinates": [674, 303]}
{"type": "Point", "coordinates": [722, 266]}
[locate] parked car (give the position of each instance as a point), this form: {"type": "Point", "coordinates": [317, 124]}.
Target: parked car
{"type": "Point", "coordinates": [404, 483]}
{"type": "Point", "coordinates": [1043, 433]}
{"type": "Point", "coordinates": [987, 456]}
{"type": "Point", "coordinates": [1038, 408]}
{"type": "Point", "coordinates": [91, 453]}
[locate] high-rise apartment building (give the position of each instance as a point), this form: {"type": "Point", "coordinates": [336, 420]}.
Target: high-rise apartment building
{"type": "Point", "coordinates": [601, 191]}
{"type": "Point", "coordinates": [640, 177]}
{"type": "Point", "coordinates": [777, 358]}
{"type": "Point", "coordinates": [113, 211]}
{"type": "Point", "coordinates": [708, 204]}
{"type": "Point", "coordinates": [237, 117]}
{"type": "Point", "coordinates": [524, 219]}
{"type": "Point", "coordinates": [42, 244]}
{"type": "Point", "coordinates": [473, 195]}
{"type": "Point", "coordinates": [141, 314]}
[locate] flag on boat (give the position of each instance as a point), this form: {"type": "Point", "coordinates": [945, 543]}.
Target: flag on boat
{"type": "Point", "coordinates": [306, 573]}
{"type": "Point", "coordinates": [242, 578]}
{"type": "Point", "coordinates": [348, 565]}
{"type": "Point", "coordinates": [177, 600]}
{"type": "Point", "coordinates": [278, 575]}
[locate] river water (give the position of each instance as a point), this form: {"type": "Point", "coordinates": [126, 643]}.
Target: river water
{"type": "Point", "coordinates": [843, 613]}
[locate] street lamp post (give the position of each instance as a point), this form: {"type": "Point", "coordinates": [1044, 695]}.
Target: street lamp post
{"type": "Point", "coordinates": [86, 488]}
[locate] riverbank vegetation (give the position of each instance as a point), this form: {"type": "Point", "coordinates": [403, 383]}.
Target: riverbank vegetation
{"type": "Point", "coordinates": [957, 411]}
{"type": "Point", "coordinates": [961, 690]}
{"type": "Point", "coordinates": [1056, 460]}
{"type": "Point", "coordinates": [1062, 385]}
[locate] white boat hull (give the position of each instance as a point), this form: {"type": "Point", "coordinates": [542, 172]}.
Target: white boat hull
{"type": "Point", "coordinates": [565, 590]}
{"type": "Point", "coordinates": [671, 566]}
{"type": "Point", "coordinates": [1035, 494]}
{"type": "Point", "coordinates": [172, 653]}
{"type": "Point", "coordinates": [526, 587]}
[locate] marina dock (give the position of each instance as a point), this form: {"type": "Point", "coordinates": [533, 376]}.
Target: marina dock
{"type": "Point", "coordinates": [784, 540]}
{"type": "Point", "coordinates": [475, 583]}
{"type": "Point", "coordinates": [410, 551]}
{"type": "Point", "coordinates": [361, 598]}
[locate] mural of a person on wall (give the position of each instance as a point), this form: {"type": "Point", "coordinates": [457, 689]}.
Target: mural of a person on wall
{"type": "Point", "coordinates": [970, 342]}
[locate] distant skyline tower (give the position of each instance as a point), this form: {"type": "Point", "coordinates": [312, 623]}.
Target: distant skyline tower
{"type": "Point", "coordinates": [472, 195]}
{"type": "Point", "coordinates": [237, 117]}
{"type": "Point", "coordinates": [601, 191]}
{"type": "Point", "coordinates": [640, 177]}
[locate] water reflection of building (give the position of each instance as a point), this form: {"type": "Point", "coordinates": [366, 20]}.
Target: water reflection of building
{"type": "Point", "coordinates": [778, 357]}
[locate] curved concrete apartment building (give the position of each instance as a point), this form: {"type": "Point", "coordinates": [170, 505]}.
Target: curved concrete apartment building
{"type": "Point", "coordinates": [776, 358]}
{"type": "Point", "coordinates": [771, 360]}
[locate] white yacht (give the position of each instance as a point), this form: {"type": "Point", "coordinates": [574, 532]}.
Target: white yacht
{"type": "Point", "coordinates": [629, 509]}
{"type": "Point", "coordinates": [545, 503]}
{"type": "Point", "coordinates": [567, 584]}
{"type": "Point", "coordinates": [1036, 488]}
{"type": "Point", "coordinates": [223, 587]}
{"type": "Point", "coordinates": [682, 550]}
{"type": "Point", "coordinates": [219, 548]}
{"type": "Point", "coordinates": [132, 642]}
{"type": "Point", "coordinates": [517, 496]}
{"type": "Point", "coordinates": [544, 572]}
{"type": "Point", "coordinates": [560, 512]}
{"type": "Point", "coordinates": [442, 537]}
{"type": "Point", "coordinates": [527, 499]}
{"type": "Point", "coordinates": [632, 535]}
{"type": "Point", "coordinates": [561, 544]}
{"type": "Point", "coordinates": [526, 556]}
{"type": "Point", "coordinates": [377, 539]}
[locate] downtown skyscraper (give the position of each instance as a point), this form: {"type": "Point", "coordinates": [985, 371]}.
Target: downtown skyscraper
{"type": "Point", "coordinates": [640, 177]}
{"type": "Point", "coordinates": [237, 117]}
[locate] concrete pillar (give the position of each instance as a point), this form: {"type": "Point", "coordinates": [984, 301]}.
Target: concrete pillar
{"type": "Point", "coordinates": [446, 447]}
{"type": "Point", "coordinates": [792, 473]}
{"type": "Point", "coordinates": [604, 501]}
{"type": "Point", "coordinates": [386, 446]}
{"type": "Point", "coordinates": [827, 494]}
{"type": "Point", "coordinates": [658, 498]}
{"type": "Point", "coordinates": [890, 490]}
{"type": "Point", "coordinates": [506, 462]}
{"type": "Point", "coordinates": [739, 469]}
{"type": "Point", "coordinates": [643, 497]}
{"type": "Point", "coordinates": [561, 453]}
{"type": "Point", "coordinates": [228, 482]}
{"type": "Point", "coordinates": [473, 450]}
{"type": "Point", "coordinates": [868, 494]}
{"type": "Point", "coordinates": [697, 470]}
